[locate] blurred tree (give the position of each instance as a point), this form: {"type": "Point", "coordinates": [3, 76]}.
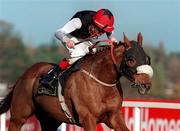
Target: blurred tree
{"type": "Point", "coordinates": [159, 81]}
{"type": "Point", "coordinates": [176, 94]}
{"type": "Point", "coordinates": [5, 29]}
{"type": "Point", "coordinates": [14, 58]}
{"type": "Point", "coordinates": [173, 68]}
{"type": "Point", "coordinates": [52, 52]}
{"type": "Point", "coordinates": [160, 54]}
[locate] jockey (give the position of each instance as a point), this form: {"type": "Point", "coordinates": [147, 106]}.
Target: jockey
{"type": "Point", "coordinates": [82, 28]}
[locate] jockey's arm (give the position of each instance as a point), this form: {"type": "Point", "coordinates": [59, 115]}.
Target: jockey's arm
{"type": "Point", "coordinates": [111, 36]}
{"type": "Point", "coordinates": [62, 33]}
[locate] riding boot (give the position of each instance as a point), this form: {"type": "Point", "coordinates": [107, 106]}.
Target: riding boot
{"type": "Point", "coordinates": [53, 74]}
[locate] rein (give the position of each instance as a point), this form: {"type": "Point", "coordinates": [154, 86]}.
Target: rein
{"type": "Point", "coordinates": [94, 78]}
{"type": "Point", "coordinates": [112, 48]}
{"type": "Point", "coordinates": [97, 42]}
{"type": "Point", "coordinates": [113, 59]}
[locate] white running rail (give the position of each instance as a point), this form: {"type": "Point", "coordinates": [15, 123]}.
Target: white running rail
{"type": "Point", "coordinates": [136, 104]}
{"type": "Point", "coordinates": [145, 104]}
{"type": "Point", "coordinates": [3, 122]}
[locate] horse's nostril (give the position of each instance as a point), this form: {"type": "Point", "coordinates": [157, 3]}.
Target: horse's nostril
{"type": "Point", "coordinates": [142, 88]}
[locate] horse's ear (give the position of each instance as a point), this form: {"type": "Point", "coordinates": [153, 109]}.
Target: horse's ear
{"type": "Point", "coordinates": [140, 38]}
{"type": "Point", "coordinates": [126, 41]}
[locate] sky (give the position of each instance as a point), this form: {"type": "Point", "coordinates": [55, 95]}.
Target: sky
{"type": "Point", "coordinates": [37, 20]}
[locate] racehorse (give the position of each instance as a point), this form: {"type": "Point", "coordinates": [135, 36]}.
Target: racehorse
{"type": "Point", "coordinates": [93, 94]}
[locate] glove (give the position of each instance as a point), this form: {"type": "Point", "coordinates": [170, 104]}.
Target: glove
{"type": "Point", "coordinates": [70, 44]}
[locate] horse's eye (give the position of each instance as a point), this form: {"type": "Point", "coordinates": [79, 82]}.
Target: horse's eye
{"type": "Point", "coordinates": [131, 62]}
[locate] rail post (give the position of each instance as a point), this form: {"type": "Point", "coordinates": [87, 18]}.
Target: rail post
{"type": "Point", "coordinates": [137, 119]}
{"type": "Point", "coordinates": [3, 122]}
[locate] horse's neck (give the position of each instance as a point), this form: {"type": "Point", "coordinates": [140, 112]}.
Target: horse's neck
{"type": "Point", "coordinates": [107, 65]}
{"type": "Point", "coordinates": [101, 64]}
{"type": "Point", "coordinates": [102, 67]}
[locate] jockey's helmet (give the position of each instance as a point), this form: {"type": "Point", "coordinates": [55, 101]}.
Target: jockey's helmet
{"type": "Point", "coordinates": [104, 19]}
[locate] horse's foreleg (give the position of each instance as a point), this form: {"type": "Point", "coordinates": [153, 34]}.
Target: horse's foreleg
{"type": "Point", "coordinates": [117, 123]}
{"type": "Point", "coordinates": [16, 124]}
{"type": "Point", "coordinates": [89, 122]}
{"type": "Point", "coordinates": [86, 118]}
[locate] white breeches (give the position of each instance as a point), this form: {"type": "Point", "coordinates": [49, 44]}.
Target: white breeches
{"type": "Point", "coordinates": [79, 50]}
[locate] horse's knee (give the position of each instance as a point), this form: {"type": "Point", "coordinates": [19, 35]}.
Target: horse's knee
{"type": "Point", "coordinates": [89, 122]}
{"type": "Point", "coordinates": [117, 123]}
{"type": "Point", "coordinates": [16, 124]}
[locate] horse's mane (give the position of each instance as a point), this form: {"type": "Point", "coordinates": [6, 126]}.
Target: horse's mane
{"type": "Point", "coordinates": [104, 50]}
{"type": "Point", "coordinates": [101, 51]}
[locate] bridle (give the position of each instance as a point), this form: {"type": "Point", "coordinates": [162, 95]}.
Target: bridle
{"type": "Point", "coordinates": [122, 69]}
{"type": "Point", "coordinates": [111, 44]}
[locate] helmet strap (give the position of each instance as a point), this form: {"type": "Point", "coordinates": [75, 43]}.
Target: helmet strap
{"type": "Point", "coordinates": [104, 27]}
{"type": "Point", "coordinates": [92, 31]}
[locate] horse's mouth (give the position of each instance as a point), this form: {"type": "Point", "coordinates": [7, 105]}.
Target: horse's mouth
{"type": "Point", "coordinates": [143, 83]}
{"type": "Point", "coordinates": [142, 88]}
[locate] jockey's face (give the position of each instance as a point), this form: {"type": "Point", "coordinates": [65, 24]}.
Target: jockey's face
{"type": "Point", "coordinates": [95, 31]}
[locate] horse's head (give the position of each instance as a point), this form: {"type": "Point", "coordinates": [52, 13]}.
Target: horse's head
{"type": "Point", "coordinates": [136, 64]}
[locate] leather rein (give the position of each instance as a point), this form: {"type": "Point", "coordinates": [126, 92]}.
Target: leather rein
{"type": "Point", "coordinates": [113, 59]}
{"type": "Point", "coordinates": [97, 42]}
{"type": "Point", "coordinates": [112, 48]}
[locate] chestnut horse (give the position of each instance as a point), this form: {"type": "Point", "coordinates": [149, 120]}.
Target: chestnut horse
{"type": "Point", "coordinates": [93, 94]}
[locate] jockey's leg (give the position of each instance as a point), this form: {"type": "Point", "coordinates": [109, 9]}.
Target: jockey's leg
{"type": "Point", "coordinates": [76, 53]}
{"type": "Point", "coordinates": [54, 72]}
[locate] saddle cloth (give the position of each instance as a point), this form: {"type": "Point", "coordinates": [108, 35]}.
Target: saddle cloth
{"type": "Point", "coordinates": [58, 89]}
{"type": "Point", "coordinates": [60, 82]}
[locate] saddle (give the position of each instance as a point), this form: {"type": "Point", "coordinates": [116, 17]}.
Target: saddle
{"type": "Point", "coordinates": [51, 89]}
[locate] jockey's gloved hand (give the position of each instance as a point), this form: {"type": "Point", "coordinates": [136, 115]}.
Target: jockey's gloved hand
{"type": "Point", "coordinates": [70, 43]}
{"type": "Point", "coordinates": [92, 50]}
